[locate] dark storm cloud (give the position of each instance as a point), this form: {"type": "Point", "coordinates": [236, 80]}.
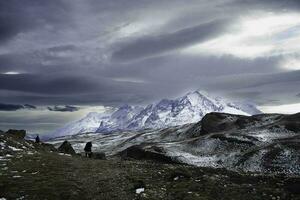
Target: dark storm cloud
{"type": "Point", "coordinates": [14, 107]}
{"type": "Point", "coordinates": [46, 84]}
{"type": "Point", "coordinates": [66, 108]}
{"type": "Point", "coordinates": [10, 107]}
{"type": "Point", "coordinates": [144, 81]}
{"type": "Point", "coordinates": [101, 52]}
{"type": "Point", "coordinates": [155, 45]}
{"type": "Point", "coordinates": [22, 16]}
{"type": "Point", "coordinates": [28, 106]}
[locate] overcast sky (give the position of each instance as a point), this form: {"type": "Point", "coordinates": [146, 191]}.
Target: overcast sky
{"type": "Point", "coordinates": [90, 54]}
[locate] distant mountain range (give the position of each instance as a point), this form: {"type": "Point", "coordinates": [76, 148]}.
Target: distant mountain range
{"type": "Point", "coordinates": [189, 108]}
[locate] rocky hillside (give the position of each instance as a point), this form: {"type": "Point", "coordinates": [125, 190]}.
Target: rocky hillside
{"type": "Point", "coordinates": [37, 171]}
{"type": "Point", "coordinates": [265, 143]}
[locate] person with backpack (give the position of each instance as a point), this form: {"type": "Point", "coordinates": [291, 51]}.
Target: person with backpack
{"type": "Point", "coordinates": [88, 149]}
{"type": "Point", "coordinates": [37, 139]}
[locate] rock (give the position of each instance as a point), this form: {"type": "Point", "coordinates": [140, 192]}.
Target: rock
{"type": "Point", "coordinates": [140, 152]}
{"type": "Point", "coordinates": [99, 155]}
{"type": "Point", "coordinates": [20, 134]}
{"type": "Point", "coordinates": [45, 147]}
{"type": "Point", "coordinates": [139, 186]}
{"type": "Point", "coordinates": [66, 148]}
{"type": "Point", "coordinates": [179, 174]}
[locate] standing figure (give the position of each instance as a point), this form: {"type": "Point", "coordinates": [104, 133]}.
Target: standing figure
{"type": "Point", "coordinates": [37, 139]}
{"type": "Point", "coordinates": [88, 149]}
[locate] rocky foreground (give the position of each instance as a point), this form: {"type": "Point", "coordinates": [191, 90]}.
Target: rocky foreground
{"type": "Point", "coordinates": [38, 171]}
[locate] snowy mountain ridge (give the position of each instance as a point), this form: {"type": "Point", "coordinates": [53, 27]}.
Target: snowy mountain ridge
{"type": "Point", "coordinates": [189, 108]}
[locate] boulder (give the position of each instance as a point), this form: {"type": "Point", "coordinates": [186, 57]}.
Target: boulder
{"type": "Point", "coordinates": [45, 147]}
{"type": "Point", "coordinates": [66, 148]}
{"type": "Point", "coordinates": [140, 152]}
{"type": "Point", "coordinates": [99, 155]}
{"type": "Point", "coordinates": [19, 134]}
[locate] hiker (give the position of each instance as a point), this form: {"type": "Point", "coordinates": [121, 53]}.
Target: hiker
{"type": "Point", "coordinates": [88, 149]}
{"type": "Point", "coordinates": [37, 139]}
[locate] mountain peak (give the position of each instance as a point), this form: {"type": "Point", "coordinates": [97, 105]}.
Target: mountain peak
{"type": "Point", "coordinates": [189, 108]}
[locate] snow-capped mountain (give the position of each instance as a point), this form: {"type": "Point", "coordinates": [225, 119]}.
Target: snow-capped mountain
{"type": "Point", "coordinates": [166, 113]}
{"type": "Point", "coordinates": [119, 119]}
{"type": "Point", "coordinates": [90, 123]}
{"type": "Point", "coordinates": [187, 109]}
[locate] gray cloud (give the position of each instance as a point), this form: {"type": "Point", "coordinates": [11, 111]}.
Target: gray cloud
{"type": "Point", "coordinates": [23, 16]}
{"type": "Point", "coordinates": [66, 108]}
{"type": "Point", "coordinates": [14, 107]}
{"type": "Point", "coordinates": [155, 45]}
{"type": "Point", "coordinates": [46, 84]}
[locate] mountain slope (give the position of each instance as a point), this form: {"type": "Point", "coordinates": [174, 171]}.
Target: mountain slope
{"type": "Point", "coordinates": [166, 113]}
{"type": "Point", "coordinates": [265, 143]}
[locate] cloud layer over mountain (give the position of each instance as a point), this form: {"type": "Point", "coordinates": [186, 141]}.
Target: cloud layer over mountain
{"type": "Point", "coordinates": [98, 52]}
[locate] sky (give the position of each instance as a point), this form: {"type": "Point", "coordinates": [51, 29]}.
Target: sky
{"type": "Point", "coordinates": [60, 59]}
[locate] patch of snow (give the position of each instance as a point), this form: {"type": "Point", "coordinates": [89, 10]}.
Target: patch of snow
{"type": "Point", "coordinates": [139, 190]}
{"type": "Point", "coordinates": [270, 135]}
{"type": "Point", "coordinates": [3, 158]}
{"type": "Point", "coordinates": [64, 154]}
{"type": "Point", "coordinates": [14, 149]}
